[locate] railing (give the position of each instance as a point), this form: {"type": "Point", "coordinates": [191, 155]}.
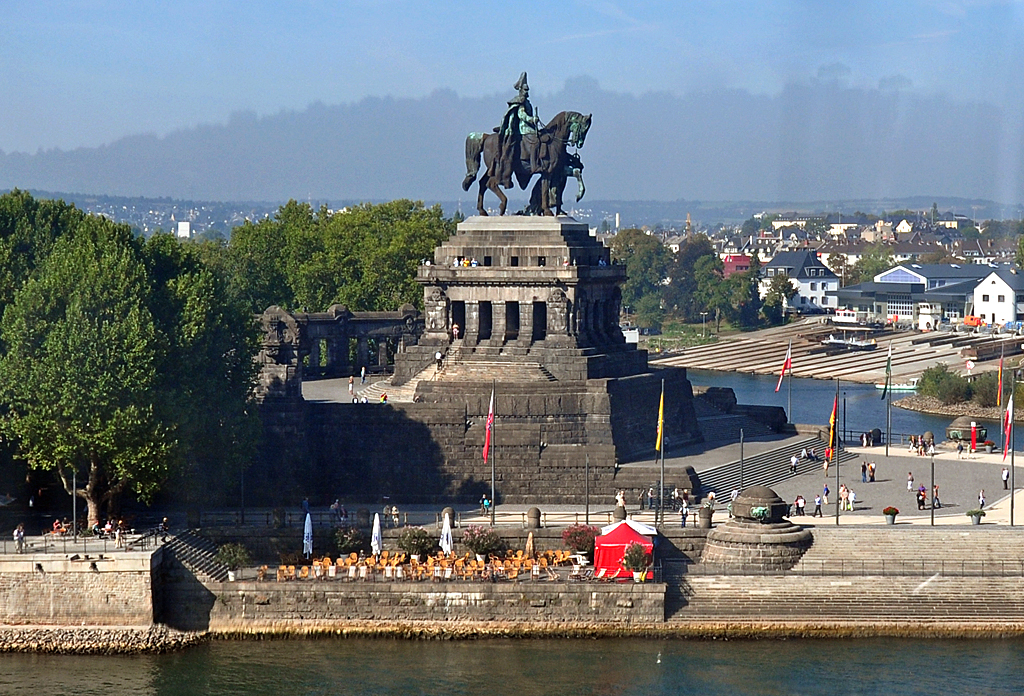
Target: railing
{"type": "Point", "coordinates": [69, 544]}
{"type": "Point", "coordinates": [847, 568]}
{"type": "Point", "coordinates": [520, 519]}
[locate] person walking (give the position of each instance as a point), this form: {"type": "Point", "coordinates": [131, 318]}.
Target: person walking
{"type": "Point", "coordinates": [936, 503]}
{"type": "Point", "coordinates": [871, 472]}
{"type": "Point", "coordinates": [959, 449]}
{"type": "Point", "coordinates": [351, 385]}
{"type": "Point", "coordinates": [362, 374]}
{"type": "Point", "coordinates": [684, 511]}
{"type": "Point", "coordinates": [641, 498]}
{"type": "Point", "coordinates": [19, 538]}
{"type": "Point", "coordinates": [793, 462]}
{"type": "Point", "coordinates": [800, 505]}
{"type": "Point", "coordinates": [1006, 478]}
{"type": "Point", "coordinates": [863, 472]}
{"type": "Point", "coordinates": [910, 482]}
{"type": "Point", "coordinates": [981, 499]}
{"type": "Point", "coordinates": [620, 499]}
{"type": "Point", "coordinates": [817, 506]}
{"type": "Point", "coordinates": [824, 494]}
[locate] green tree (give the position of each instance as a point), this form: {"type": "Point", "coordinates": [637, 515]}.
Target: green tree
{"type": "Point", "coordinates": [712, 293]}
{"type": "Point", "coordinates": [745, 297]}
{"type": "Point", "coordinates": [206, 373]}
{"type": "Point", "coordinates": [681, 293]}
{"type": "Point", "coordinates": [79, 373]}
{"type": "Point", "coordinates": [780, 290]}
{"type": "Point", "coordinates": [647, 263]}
{"type": "Point", "coordinates": [875, 259]}
{"type": "Point", "coordinates": [837, 264]}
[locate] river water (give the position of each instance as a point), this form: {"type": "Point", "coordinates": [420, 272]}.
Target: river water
{"type": "Point", "coordinates": [548, 666]}
{"type": "Point", "coordinates": [813, 398]}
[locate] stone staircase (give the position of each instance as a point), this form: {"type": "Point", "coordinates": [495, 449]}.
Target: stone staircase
{"type": "Point", "coordinates": [766, 468]}
{"type": "Point", "coordinates": [477, 370]}
{"type": "Point", "coordinates": [198, 554]}
{"type": "Point", "coordinates": [867, 573]}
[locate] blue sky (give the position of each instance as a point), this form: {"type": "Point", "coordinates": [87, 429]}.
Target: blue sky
{"type": "Point", "coordinates": [79, 73]}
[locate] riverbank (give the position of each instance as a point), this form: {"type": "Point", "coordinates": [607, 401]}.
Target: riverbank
{"type": "Point", "coordinates": [935, 407]}
{"type": "Point", "coordinates": [96, 640]}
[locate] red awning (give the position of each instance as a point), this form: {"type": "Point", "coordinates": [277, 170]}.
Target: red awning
{"type": "Point", "coordinates": [610, 547]}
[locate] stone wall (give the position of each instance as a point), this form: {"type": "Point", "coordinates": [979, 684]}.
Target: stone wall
{"type": "Point", "coordinates": [100, 590]}
{"type": "Point", "coordinates": [254, 605]}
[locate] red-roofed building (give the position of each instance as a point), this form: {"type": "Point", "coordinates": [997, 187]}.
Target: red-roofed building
{"type": "Point", "coordinates": [735, 263]}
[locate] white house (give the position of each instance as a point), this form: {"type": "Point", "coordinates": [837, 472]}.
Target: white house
{"type": "Point", "coordinates": [999, 297]}
{"type": "Point", "coordinates": [809, 275]}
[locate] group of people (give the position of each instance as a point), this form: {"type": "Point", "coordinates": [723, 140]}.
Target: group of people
{"type": "Point", "coordinates": [867, 472]}
{"type": "Point", "coordinates": [923, 447]}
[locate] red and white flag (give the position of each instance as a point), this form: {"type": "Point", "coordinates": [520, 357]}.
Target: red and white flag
{"type": "Point", "coordinates": [788, 365]}
{"type": "Point", "coordinates": [490, 427]}
{"type": "Point", "coordinates": [1008, 426]}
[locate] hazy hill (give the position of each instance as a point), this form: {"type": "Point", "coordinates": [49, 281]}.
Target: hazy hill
{"type": "Point", "coordinates": [812, 142]}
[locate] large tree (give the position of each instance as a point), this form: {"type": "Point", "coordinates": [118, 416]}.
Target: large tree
{"type": "Point", "coordinates": [681, 293]}
{"type": "Point", "coordinates": [647, 264]}
{"type": "Point", "coordinates": [79, 374]}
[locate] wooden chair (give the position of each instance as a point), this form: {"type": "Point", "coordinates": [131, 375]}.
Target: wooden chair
{"type": "Point", "coordinates": [362, 572]}
{"type": "Point", "coordinates": [353, 557]}
{"type": "Point", "coordinates": [332, 571]}
{"type": "Point", "coordinates": [389, 572]}
{"type": "Point", "coordinates": [352, 571]}
{"type": "Point", "coordinates": [282, 573]}
{"type": "Point", "coordinates": [261, 574]}
{"type": "Point", "coordinates": [291, 572]}
{"type": "Point", "coordinates": [304, 573]}
{"type": "Point", "coordinates": [449, 573]}
{"type": "Point", "coordinates": [399, 572]}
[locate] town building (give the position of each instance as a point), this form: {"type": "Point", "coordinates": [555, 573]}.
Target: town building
{"type": "Point", "coordinates": [814, 281]}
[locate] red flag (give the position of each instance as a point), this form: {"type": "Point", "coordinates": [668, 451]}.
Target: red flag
{"type": "Point", "coordinates": [490, 427]}
{"type": "Point", "coordinates": [1007, 426]}
{"type": "Point", "coordinates": [999, 388]}
{"type": "Point", "coordinates": [787, 365]}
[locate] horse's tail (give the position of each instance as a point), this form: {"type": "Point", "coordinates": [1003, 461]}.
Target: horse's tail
{"type": "Point", "coordinates": [474, 148]}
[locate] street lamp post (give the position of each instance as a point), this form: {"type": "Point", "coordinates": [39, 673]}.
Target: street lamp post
{"type": "Point", "coordinates": [703, 323]}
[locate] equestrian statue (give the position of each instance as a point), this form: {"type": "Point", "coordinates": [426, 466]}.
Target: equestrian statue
{"type": "Point", "coordinates": [523, 146]}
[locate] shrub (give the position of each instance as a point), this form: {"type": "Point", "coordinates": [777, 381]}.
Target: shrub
{"type": "Point", "coordinates": [351, 539]}
{"type": "Point", "coordinates": [946, 386]}
{"type": "Point", "coordinates": [975, 513]}
{"type": "Point", "coordinates": [234, 556]}
{"type": "Point", "coordinates": [891, 511]}
{"type": "Point", "coordinates": [635, 558]}
{"type": "Point", "coordinates": [580, 538]}
{"type": "Point", "coordinates": [482, 540]}
{"type": "Point", "coordinates": [416, 541]}
{"type": "Point", "coordinates": [984, 389]}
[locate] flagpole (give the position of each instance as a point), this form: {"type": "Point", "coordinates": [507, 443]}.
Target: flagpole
{"type": "Point", "coordinates": [835, 445]}
{"type": "Point", "coordinates": [789, 406]}
{"type": "Point", "coordinates": [494, 500]}
{"type": "Point", "coordinates": [999, 391]}
{"type": "Point", "coordinates": [661, 442]}
{"type": "Point", "coordinates": [888, 400]}
{"type": "Point", "coordinates": [1012, 417]}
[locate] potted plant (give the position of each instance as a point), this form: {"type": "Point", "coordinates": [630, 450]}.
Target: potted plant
{"type": "Point", "coordinates": [989, 446]}
{"type": "Point", "coordinates": [351, 539]}
{"type": "Point", "coordinates": [580, 538]}
{"type": "Point", "coordinates": [417, 542]}
{"type": "Point", "coordinates": [482, 541]}
{"type": "Point", "coordinates": [234, 556]}
{"type": "Point", "coordinates": [890, 514]}
{"type": "Point", "coordinates": [636, 560]}
{"type": "Point", "coordinates": [975, 516]}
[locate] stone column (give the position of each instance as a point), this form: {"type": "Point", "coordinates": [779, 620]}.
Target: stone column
{"type": "Point", "coordinates": [314, 356]}
{"type": "Point", "coordinates": [362, 352]}
{"type": "Point", "coordinates": [472, 327]}
{"type": "Point", "coordinates": [337, 355]}
{"type": "Point", "coordinates": [382, 352]}
{"type": "Point", "coordinates": [497, 323]}
{"type": "Point", "coordinates": [525, 323]}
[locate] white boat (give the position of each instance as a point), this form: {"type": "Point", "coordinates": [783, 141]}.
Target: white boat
{"type": "Point", "coordinates": [909, 385]}
{"type": "Point", "coordinates": [849, 343]}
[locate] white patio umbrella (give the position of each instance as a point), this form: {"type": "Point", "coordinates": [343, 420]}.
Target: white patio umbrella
{"type": "Point", "coordinates": [375, 537]}
{"type": "Point", "coordinates": [446, 536]}
{"type": "Point", "coordinates": [307, 537]}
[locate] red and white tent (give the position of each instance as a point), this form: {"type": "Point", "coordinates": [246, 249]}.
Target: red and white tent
{"type": "Point", "coordinates": [611, 545]}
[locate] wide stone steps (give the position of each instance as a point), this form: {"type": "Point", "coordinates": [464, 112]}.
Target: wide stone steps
{"type": "Point", "coordinates": [494, 371]}
{"type": "Point", "coordinates": [198, 554]}
{"type": "Point", "coordinates": [955, 550]}
{"type": "Point", "coordinates": [766, 468]}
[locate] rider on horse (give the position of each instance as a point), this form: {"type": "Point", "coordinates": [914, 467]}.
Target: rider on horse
{"type": "Point", "coordinates": [519, 127]}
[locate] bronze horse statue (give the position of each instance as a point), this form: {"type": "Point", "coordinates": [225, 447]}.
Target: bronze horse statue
{"type": "Point", "coordinates": [567, 129]}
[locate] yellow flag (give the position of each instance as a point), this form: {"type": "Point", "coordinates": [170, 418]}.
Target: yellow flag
{"type": "Point", "coordinates": [661, 419]}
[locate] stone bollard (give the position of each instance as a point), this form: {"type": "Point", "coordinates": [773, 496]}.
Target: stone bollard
{"type": "Point", "coordinates": [362, 517]}
{"type": "Point", "coordinates": [533, 518]}
{"type": "Point", "coordinates": [704, 516]}
{"type": "Point", "coordinates": [619, 513]}
{"type": "Point", "coordinates": [451, 515]}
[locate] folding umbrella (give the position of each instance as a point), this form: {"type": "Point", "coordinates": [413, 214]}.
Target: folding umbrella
{"type": "Point", "coordinates": [446, 536]}
{"type": "Point", "coordinates": [375, 538]}
{"type": "Point", "coordinates": [307, 537]}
